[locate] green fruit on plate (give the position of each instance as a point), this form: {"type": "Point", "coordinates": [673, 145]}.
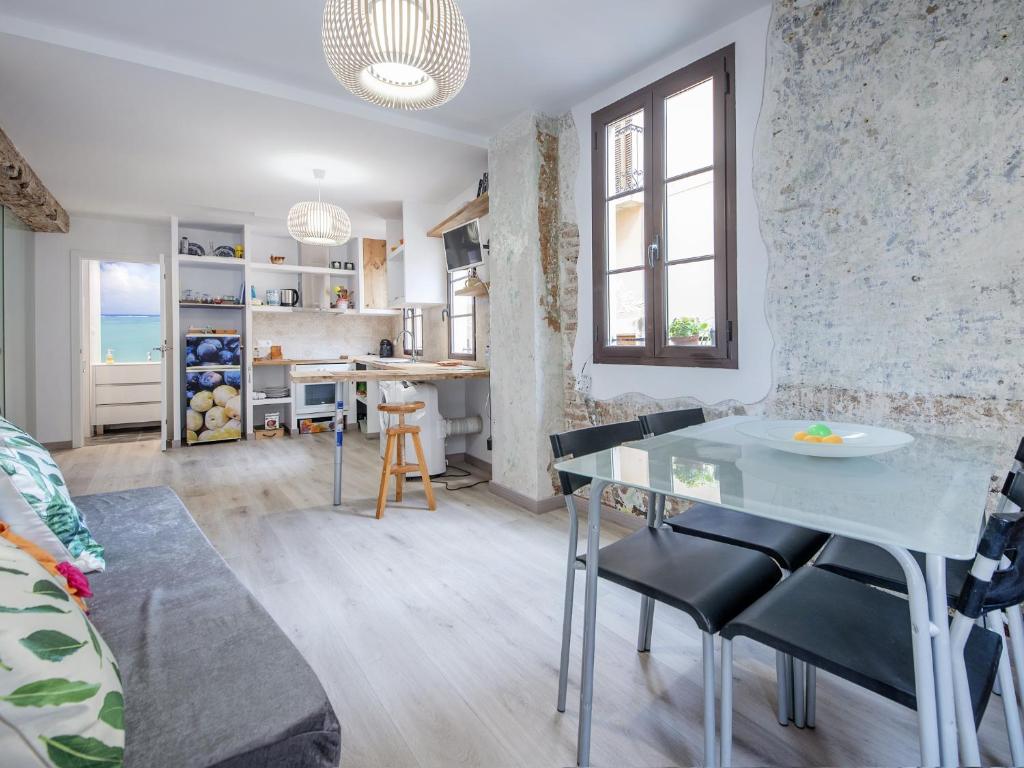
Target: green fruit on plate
{"type": "Point", "coordinates": [819, 430]}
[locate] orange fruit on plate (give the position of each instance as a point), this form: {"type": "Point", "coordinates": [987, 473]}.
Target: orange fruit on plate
{"type": "Point", "coordinates": [813, 439]}
{"type": "Point", "coordinates": [832, 439]}
{"type": "Point", "coordinates": [800, 436]}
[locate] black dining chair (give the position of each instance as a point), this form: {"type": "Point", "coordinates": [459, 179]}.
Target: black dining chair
{"type": "Point", "coordinates": [789, 545]}
{"type": "Point", "coordinates": [709, 580]}
{"type": "Point", "coordinates": [863, 634]}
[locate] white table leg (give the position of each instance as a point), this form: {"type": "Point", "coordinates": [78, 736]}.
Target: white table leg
{"type": "Point", "coordinates": [935, 576]}
{"type": "Point", "coordinates": [339, 437]}
{"type": "Point", "coordinates": [924, 671]}
{"type": "Point", "coordinates": [589, 624]}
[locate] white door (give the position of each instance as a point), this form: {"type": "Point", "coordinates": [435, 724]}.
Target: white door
{"type": "Point", "coordinates": [164, 348]}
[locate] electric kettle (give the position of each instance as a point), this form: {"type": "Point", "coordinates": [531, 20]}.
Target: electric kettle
{"type": "Point", "coordinates": [289, 297]}
{"type": "Point", "coordinates": [387, 349]}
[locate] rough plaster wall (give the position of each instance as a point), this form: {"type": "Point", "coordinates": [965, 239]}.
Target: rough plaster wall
{"type": "Point", "coordinates": [888, 172]}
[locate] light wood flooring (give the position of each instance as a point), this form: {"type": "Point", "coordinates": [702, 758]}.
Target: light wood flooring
{"type": "Point", "coordinates": [436, 634]}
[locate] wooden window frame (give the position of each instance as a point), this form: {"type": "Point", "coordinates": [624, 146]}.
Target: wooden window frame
{"type": "Point", "coordinates": [451, 317]}
{"type": "Point", "coordinates": [651, 100]}
{"type": "Point", "coordinates": [409, 316]}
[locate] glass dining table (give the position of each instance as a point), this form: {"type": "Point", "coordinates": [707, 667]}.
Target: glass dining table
{"type": "Point", "coordinates": [929, 497]}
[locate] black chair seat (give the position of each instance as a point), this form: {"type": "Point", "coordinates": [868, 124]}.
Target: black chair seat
{"type": "Point", "coordinates": [847, 628]}
{"type": "Point", "coordinates": [711, 581]}
{"type": "Point", "coordinates": [789, 545]}
{"type": "Point", "coordinates": [871, 564]}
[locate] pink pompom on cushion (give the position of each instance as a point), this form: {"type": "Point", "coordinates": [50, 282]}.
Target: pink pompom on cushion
{"type": "Point", "coordinates": [77, 583]}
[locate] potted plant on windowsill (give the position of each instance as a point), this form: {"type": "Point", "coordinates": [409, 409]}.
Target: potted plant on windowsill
{"type": "Point", "coordinates": [688, 330]}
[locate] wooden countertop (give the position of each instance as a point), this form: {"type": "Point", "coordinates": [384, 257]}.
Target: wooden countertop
{"type": "Point", "coordinates": [393, 372]}
{"type": "Point", "coordinates": [290, 361]}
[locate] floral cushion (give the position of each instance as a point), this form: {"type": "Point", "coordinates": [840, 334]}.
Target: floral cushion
{"type": "Point", "coordinates": [28, 468]}
{"type": "Point", "coordinates": [61, 698]}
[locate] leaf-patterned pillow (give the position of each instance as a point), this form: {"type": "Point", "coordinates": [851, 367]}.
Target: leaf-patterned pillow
{"type": "Point", "coordinates": [61, 698]}
{"type": "Point", "coordinates": [28, 466]}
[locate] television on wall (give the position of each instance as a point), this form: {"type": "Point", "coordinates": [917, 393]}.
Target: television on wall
{"type": "Point", "coordinates": [462, 247]}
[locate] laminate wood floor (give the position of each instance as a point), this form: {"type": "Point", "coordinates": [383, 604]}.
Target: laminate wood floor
{"type": "Point", "coordinates": [436, 634]}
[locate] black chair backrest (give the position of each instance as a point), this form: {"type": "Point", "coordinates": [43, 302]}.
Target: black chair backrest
{"type": "Point", "coordinates": [670, 421]}
{"type": "Point", "coordinates": [1003, 535]}
{"type": "Point", "coordinates": [580, 442]}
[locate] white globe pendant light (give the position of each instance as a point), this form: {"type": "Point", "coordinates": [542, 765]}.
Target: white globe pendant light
{"type": "Point", "coordinates": [401, 54]}
{"type": "Point", "coordinates": [317, 222]}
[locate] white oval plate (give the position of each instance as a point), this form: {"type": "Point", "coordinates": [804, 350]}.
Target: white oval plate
{"type": "Point", "coordinates": [858, 439]}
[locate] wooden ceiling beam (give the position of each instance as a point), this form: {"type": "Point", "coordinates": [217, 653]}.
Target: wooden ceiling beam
{"type": "Point", "coordinates": [24, 193]}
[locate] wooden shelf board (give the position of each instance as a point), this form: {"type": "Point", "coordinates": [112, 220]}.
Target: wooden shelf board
{"type": "Point", "coordinates": [299, 269]}
{"type": "Point", "coordinates": [289, 361]}
{"type": "Point", "coordinates": [474, 209]}
{"type": "Point", "coordinates": [201, 305]}
{"type": "Point", "coordinates": [216, 262]}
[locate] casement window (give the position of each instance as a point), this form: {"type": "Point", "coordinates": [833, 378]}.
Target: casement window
{"type": "Point", "coordinates": [664, 218]}
{"type": "Point", "coordinates": [461, 318]}
{"type": "Point", "coordinates": [412, 321]}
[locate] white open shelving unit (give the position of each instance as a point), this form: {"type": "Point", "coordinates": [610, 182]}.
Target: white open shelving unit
{"type": "Point", "coordinates": [219, 276]}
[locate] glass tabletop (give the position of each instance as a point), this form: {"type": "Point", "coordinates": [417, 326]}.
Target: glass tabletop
{"type": "Point", "coordinates": [929, 496]}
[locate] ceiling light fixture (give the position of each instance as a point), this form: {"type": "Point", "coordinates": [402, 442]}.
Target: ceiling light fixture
{"type": "Point", "coordinates": [319, 223]}
{"type": "Point", "coordinates": [402, 54]}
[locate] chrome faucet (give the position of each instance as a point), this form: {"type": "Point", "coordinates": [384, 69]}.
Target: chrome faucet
{"type": "Point", "coordinates": [412, 341]}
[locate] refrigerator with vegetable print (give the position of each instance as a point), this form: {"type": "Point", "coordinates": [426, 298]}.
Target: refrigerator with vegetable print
{"type": "Point", "coordinates": [213, 388]}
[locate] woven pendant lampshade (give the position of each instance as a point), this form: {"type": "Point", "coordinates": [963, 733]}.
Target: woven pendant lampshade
{"type": "Point", "coordinates": [317, 222]}
{"type": "Point", "coordinates": [401, 54]}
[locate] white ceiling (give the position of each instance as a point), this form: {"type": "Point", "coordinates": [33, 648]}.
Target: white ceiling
{"type": "Point", "coordinates": [141, 107]}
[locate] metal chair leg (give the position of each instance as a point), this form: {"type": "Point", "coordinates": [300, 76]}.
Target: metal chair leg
{"type": "Point", "coordinates": [570, 586]}
{"type": "Point", "coordinates": [782, 677]}
{"type": "Point", "coordinates": [643, 643]}
{"type": "Point", "coordinates": [1012, 714]}
{"type": "Point", "coordinates": [799, 693]}
{"type": "Point", "coordinates": [1016, 627]}
{"type": "Point", "coordinates": [710, 747]}
{"type": "Point", "coordinates": [726, 735]}
{"type": "Point", "coordinates": [812, 695]}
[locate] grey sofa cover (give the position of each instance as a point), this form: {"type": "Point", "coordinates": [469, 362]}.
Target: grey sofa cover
{"type": "Point", "coordinates": [210, 679]}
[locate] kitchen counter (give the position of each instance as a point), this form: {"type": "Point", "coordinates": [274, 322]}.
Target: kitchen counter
{"type": "Point", "coordinates": [290, 361]}
{"type": "Point", "coordinates": [406, 371]}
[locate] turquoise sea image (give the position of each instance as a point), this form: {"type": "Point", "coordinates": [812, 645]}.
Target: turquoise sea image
{"type": "Point", "coordinates": [131, 337]}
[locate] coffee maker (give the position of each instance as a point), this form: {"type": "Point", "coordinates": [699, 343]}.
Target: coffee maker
{"type": "Point", "coordinates": [387, 349]}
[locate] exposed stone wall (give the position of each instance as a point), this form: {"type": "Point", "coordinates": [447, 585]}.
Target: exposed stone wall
{"type": "Point", "coordinates": [888, 174]}
{"type": "Point", "coordinates": [526, 353]}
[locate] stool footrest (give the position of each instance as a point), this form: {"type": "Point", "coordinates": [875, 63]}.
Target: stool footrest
{"type": "Point", "coordinates": [403, 431]}
{"type": "Point", "coordinates": [401, 469]}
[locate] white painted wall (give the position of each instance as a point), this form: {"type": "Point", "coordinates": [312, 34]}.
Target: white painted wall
{"type": "Point", "coordinates": [752, 380]}
{"type": "Point", "coordinates": [19, 320]}
{"type": "Point", "coordinates": [104, 238]}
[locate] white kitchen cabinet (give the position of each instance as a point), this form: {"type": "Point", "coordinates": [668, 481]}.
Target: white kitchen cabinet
{"type": "Point", "coordinates": [416, 270]}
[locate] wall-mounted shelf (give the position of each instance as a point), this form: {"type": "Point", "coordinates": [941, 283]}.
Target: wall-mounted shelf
{"type": "Point", "coordinates": [202, 305]}
{"type": "Point", "coordinates": [474, 209]}
{"type": "Point", "coordinates": [308, 310]}
{"type": "Point", "coordinates": [300, 269]}
{"type": "Point", "coordinates": [271, 401]}
{"type": "Point", "coordinates": [214, 262]}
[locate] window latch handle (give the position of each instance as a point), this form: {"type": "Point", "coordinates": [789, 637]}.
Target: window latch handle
{"type": "Point", "coordinates": [654, 250]}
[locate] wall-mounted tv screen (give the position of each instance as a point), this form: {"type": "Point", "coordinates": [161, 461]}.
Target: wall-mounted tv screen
{"type": "Point", "coordinates": [462, 246]}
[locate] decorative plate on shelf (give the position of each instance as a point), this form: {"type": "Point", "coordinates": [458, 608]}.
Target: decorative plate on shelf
{"type": "Point", "coordinates": [224, 252]}
{"type": "Point", "coordinates": [195, 249]}
{"type": "Point", "coordinates": [826, 439]}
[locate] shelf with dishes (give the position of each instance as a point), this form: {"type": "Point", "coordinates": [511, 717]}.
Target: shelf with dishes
{"type": "Point", "coordinates": [208, 305]}
{"type": "Point", "coordinates": [300, 269]}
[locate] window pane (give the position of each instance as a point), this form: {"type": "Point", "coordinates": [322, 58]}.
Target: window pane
{"type": "Point", "coordinates": [690, 291]}
{"type": "Point", "coordinates": [689, 129]}
{"type": "Point", "coordinates": [624, 141]}
{"type": "Point", "coordinates": [690, 217]}
{"type": "Point", "coordinates": [462, 335]}
{"type": "Point", "coordinates": [418, 331]}
{"type": "Point", "coordinates": [626, 308]}
{"type": "Point", "coordinates": [461, 305]}
{"type": "Point", "coordinates": [626, 231]}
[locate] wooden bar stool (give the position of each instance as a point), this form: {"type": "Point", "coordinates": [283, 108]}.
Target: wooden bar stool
{"type": "Point", "coordinates": [396, 444]}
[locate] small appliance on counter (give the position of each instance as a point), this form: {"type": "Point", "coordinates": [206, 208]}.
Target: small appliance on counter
{"type": "Point", "coordinates": [289, 297]}
{"type": "Point", "coordinates": [387, 348]}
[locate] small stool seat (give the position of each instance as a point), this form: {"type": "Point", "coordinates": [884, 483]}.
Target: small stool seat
{"type": "Point", "coordinates": [394, 455]}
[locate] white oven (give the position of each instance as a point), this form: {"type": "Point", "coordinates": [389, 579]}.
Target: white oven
{"type": "Point", "coordinates": [318, 399]}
